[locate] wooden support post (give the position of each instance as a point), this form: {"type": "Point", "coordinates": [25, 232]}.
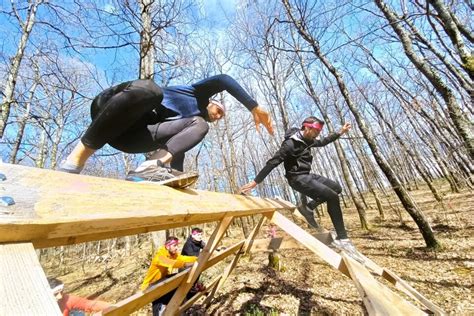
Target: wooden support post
{"type": "Point", "coordinates": [245, 250]}
{"type": "Point", "coordinates": [173, 306]}
{"type": "Point", "coordinates": [24, 289]}
{"type": "Point", "coordinates": [325, 253]}
{"type": "Point", "coordinates": [378, 299]}
{"type": "Point", "coordinates": [210, 287]}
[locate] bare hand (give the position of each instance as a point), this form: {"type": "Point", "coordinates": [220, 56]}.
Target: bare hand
{"type": "Point", "coordinates": [345, 128]}
{"type": "Point", "coordinates": [248, 187]}
{"type": "Point", "coordinates": [188, 264]}
{"type": "Point", "coordinates": [260, 116]}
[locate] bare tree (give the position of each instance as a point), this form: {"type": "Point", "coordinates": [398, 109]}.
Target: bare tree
{"type": "Point", "coordinates": [297, 17]}
{"type": "Point", "coordinates": [26, 27]}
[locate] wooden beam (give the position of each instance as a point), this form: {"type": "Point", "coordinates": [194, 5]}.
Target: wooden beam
{"type": "Point", "coordinates": [320, 249]}
{"type": "Point", "coordinates": [228, 270]}
{"type": "Point", "coordinates": [140, 299]}
{"type": "Point", "coordinates": [335, 260]}
{"type": "Point", "coordinates": [409, 290]}
{"type": "Point", "coordinates": [173, 306]}
{"type": "Point", "coordinates": [272, 244]}
{"type": "Point", "coordinates": [56, 208]}
{"type": "Point", "coordinates": [198, 295]}
{"type": "Point", "coordinates": [378, 299]}
{"type": "Point", "coordinates": [24, 289]}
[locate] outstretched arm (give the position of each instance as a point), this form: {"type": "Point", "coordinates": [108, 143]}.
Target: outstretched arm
{"type": "Point", "coordinates": [215, 84]}
{"type": "Point", "coordinates": [332, 137]}
{"type": "Point", "coordinates": [271, 164]}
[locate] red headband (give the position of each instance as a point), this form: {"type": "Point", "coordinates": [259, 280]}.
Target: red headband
{"type": "Point", "coordinates": [315, 125]}
{"type": "Point", "coordinates": [172, 242]}
{"type": "Point", "coordinates": [195, 231]}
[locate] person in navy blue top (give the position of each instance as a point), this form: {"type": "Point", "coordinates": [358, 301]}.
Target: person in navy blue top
{"type": "Point", "coordinates": [141, 117]}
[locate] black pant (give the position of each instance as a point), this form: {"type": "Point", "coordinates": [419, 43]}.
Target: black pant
{"type": "Point", "coordinates": [320, 188]}
{"type": "Point", "coordinates": [123, 117]}
{"type": "Point", "coordinates": [165, 299]}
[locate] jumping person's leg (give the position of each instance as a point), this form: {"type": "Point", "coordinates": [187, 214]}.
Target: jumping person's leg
{"type": "Point", "coordinates": [173, 138]}
{"type": "Point", "coordinates": [328, 182]}
{"type": "Point", "coordinates": [180, 135]}
{"type": "Point", "coordinates": [318, 187]}
{"type": "Point", "coordinates": [114, 112]}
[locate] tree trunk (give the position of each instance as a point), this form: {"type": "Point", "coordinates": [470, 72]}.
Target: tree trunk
{"type": "Point", "coordinates": [9, 91]}
{"type": "Point", "coordinates": [406, 200]}
{"type": "Point", "coordinates": [461, 123]}
{"type": "Point", "coordinates": [147, 46]}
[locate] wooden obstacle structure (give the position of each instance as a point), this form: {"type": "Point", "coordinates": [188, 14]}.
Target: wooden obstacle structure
{"type": "Point", "coordinates": [52, 208]}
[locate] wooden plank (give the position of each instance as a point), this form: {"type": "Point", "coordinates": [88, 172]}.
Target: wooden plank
{"type": "Point", "coordinates": [245, 250]}
{"type": "Point", "coordinates": [24, 289]}
{"type": "Point", "coordinates": [378, 299]}
{"type": "Point", "coordinates": [320, 249]}
{"type": "Point", "coordinates": [210, 287]}
{"type": "Point", "coordinates": [173, 306]}
{"type": "Point", "coordinates": [67, 208]}
{"type": "Point", "coordinates": [251, 237]}
{"type": "Point", "coordinates": [335, 260]}
{"type": "Point", "coordinates": [272, 244]}
{"type": "Point", "coordinates": [409, 290]}
{"type": "Point", "coordinates": [140, 299]}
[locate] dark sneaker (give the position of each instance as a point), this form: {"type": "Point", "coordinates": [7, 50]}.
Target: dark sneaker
{"type": "Point", "coordinates": [308, 215]}
{"type": "Point", "coordinates": [68, 167]}
{"type": "Point", "coordinates": [348, 247]}
{"type": "Point", "coordinates": [314, 203]}
{"type": "Point", "coordinates": [152, 173]}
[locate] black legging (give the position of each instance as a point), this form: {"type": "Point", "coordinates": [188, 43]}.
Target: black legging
{"type": "Point", "coordinates": [123, 117]}
{"type": "Point", "coordinates": [320, 188]}
{"type": "Point", "coordinates": [165, 299]}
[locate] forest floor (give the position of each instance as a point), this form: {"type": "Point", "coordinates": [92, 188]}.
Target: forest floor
{"type": "Point", "coordinates": [307, 285]}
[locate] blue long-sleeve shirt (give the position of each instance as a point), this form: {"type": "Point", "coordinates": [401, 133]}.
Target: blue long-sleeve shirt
{"type": "Point", "coordinates": [187, 101]}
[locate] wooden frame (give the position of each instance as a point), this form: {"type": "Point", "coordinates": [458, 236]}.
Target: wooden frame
{"type": "Point", "coordinates": [85, 208]}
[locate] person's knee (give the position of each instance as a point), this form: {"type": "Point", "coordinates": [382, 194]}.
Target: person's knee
{"type": "Point", "coordinates": [200, 126]}
{"type": "Point", "coordinates": [337, 188]}
{"type": "Point", "coordinates": [329, 195]}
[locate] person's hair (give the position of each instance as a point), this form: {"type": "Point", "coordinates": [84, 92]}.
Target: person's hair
{"type": "Point", "coordinates": [171, 238]}
{"type": "Point", "coordinates": [196, 229]}
{"type": "Point", "coordinates": [311, 120]}
{"type": "Point", "coordinates": [53, 282]}
{"type": "Point", "coordinates": [220, 105]}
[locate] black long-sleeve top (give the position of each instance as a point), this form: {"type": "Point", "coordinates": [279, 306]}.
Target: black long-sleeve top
{"type": "Point", "coordinates": [192, 247]}
{"type": "Point", "coordinates": [295, 153]}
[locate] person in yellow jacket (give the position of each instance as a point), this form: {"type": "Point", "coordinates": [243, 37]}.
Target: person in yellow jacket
{"type": "Point", "coordinates": [165, 261]}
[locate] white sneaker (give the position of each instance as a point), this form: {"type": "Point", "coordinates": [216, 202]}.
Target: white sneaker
{"type": "Point", "coordinates": [348, 247]}
{"type": "Point", "coordinates": [66, 166]}
{"type": "Point", "coordinates": [151, 173]}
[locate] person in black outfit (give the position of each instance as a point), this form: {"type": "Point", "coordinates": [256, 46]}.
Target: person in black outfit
{"type": "Point", "coordinates": [194, 244]}
{"type": "Point", "coordinates": [192, 247]}
{"type": "Point", "coordinates": [139, 116]}
{"type": "Point", "coordinates": [295, 153]}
